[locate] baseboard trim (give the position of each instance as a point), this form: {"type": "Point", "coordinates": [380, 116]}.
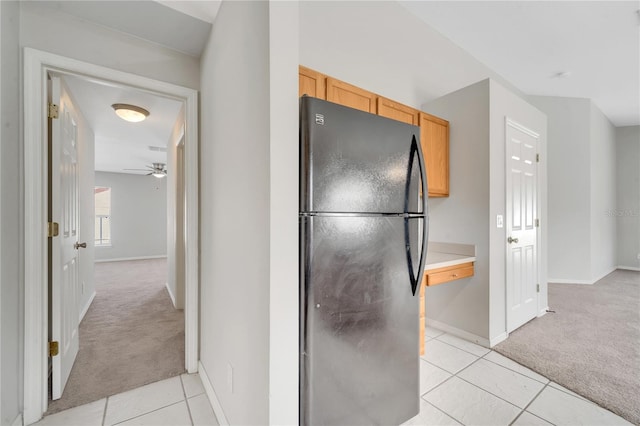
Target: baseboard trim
{"type": "Point", "coordinates": [563, 281]}
{"type": "Point", "coordinates": [588, 282]}
{"type": "Point", "coordinates": [499, 338]}
{"type": "Point", "coordinates": [87, 306]}
{"type": "Point", "coordinates": [211, 394]}
{"type": "Point", "coordinates": [629, 268]}
{"type": "Point", "coordinates": [458, 332]}
{"type": "Point", "coordinates": [17, 421]}
{"type": "Point", "coordinates": [173, 298]}
{"type": "Point", "coordinates": [120, 259]}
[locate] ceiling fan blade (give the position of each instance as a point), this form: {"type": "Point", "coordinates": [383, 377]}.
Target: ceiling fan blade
{"type": "Point", "coordinates": [137, 170]}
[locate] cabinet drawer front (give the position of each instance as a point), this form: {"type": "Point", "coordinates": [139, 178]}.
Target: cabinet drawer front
{"type": "Point", "coordinates": [451, 275]}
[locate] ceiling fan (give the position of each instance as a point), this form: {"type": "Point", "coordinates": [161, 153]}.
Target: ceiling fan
{"type": "Point", "coordinates": [158, 170]}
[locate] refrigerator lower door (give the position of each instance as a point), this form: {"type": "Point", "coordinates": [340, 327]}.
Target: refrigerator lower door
{"type": "Point", "coordinates": [359, 360]}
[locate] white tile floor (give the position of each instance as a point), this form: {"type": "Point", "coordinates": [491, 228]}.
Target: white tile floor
{"type": "Point", "coordinates": [464, 383]}
{"type": "Point", "coordinates": [460, 383]}
{"type": "Point", "coordinates": [172, 402]}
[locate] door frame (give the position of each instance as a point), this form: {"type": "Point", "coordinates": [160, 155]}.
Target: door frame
{"type": "Point", "coordinates": [36, 66]}
{"type": "Point", "coordinates": [539, 181]}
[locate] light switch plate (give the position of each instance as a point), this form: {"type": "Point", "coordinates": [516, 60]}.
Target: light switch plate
{"type": "Point", "coordinates": [499, 221]}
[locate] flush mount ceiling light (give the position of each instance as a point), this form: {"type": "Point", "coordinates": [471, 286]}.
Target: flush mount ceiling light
{"type": "Point", "coordinates": [130, 113]}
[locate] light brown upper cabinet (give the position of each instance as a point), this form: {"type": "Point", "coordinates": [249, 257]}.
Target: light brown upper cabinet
{"type": "Point", "coordinates": [396, 111]}
{"type": "Point", "coordinates": [311, 83]}
{"type": "Point", "coordinates": [434, 138]}
{"type": "Point", "coordinates": [346, 94]}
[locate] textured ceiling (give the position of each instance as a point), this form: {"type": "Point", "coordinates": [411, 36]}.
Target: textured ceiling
{"type": "Point", "coordinates": [531, 43]}
{"type": "Point", "coordinates": [119, 144]}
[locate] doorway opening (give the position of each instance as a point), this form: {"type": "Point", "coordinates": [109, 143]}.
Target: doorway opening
{"type": "Point", "coordinates": [124, 329]}
{"type": "Point", "coordinates": [38, 67]}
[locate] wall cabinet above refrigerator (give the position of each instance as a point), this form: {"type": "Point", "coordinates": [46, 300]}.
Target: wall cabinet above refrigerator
{"type": "Point", "coordinates": [434, 131]}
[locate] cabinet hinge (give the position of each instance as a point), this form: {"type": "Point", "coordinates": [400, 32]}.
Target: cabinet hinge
{"type": "Point", "coordinates": [53, 111]}
{"type": "Point", "coordinates": [537, 223]}
{"type": "Point", "coordinates": [52, 229]}
{"type": "Point", "coordinates": [537, 158]}
{"type": "Point", "coordinates": [54, 348]}
{"type": "Point", "coordinates": [537, 288]}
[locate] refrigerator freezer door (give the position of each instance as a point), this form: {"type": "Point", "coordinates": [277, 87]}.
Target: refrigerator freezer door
{"type": "Point", "coordinates": [359, 322]}
{"type": "Point", "coordinates": [355, 162]}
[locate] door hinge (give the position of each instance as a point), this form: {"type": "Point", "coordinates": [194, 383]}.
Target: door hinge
{"type": "Point", "coordinates": [54, 348]}
{"type": "Point", "coordinates": [537, 288]}
{"type": "Point", "coordinates": [537, 158]}
{"type": "Point", "coordinates": [52, 229]}
{"type": "Point", "coordinates": [537, 223]}
{"type": "Point", "coordinates": [53, 111]}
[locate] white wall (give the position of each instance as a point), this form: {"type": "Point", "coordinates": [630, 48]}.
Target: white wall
{"type": "Point", "coordinates": [11, 275]}
{"type": "Point", "coordinates": [382, 47]}
{"type": "Point", "coordinates": [477, 115]}
{"type": "Point", "coordinates": [138, 216]}
{"type": "Point", "coordinates": [582, 190]}
{"type": "Point", "coordinates": [603, 194]}
{"type": "Point", "coordinates": [463, 217]}
{"type": "Point", "coordinates": [24, 24]}
{"type": "Point", "coordinates": [627, 212]}
{"type": "Point", "coordinates": [505, 104]}
{"type": "Point", "coordinates": [234, 211]}
{"type": "Point", "coordinates": [569, 208]}
{"type": "Point", "coordinates": [80, 39]}
{"type": "Point", "coordinates": [175, 256]}
{"type": "Point", "coordinates": [283, 213]}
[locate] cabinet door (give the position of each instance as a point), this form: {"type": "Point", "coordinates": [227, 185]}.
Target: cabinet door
{"type": "Point", "coordinates": [396, 111]}
{"type": "Point", "coordinates": [345, 94]}
{"type": "Point", "coordinates": [434, 138]}
{"type": "Point", "coordinates": [311, 83]}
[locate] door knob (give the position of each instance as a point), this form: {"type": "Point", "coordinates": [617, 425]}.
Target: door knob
{"type": "Point", "coordinates": [77, 245]}
{"type": "Point", "coordinates": [512, 240]}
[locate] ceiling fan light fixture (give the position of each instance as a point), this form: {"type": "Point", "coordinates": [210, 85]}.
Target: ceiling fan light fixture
{"type": "Point", "coordinates": [158, 174]}
{"type": "Point", "coordinates": [131, 113]}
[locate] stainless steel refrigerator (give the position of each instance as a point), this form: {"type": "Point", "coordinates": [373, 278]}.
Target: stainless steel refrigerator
{"type": "Point", "coordinates": [363, 236]}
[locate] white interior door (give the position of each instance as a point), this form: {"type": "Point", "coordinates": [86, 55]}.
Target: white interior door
{"type": "Point", "coordinates": [521, 232]}
{"type": "Point", "coordinates": [63, 209]}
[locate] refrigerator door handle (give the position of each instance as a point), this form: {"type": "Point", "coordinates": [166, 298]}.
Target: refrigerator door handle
{"type": "Point", "coordinates": [415, 150]}
{"type": "Point", "coordinates": [415, 280]}
{"type": "Point", "coordinates": [412, 275]}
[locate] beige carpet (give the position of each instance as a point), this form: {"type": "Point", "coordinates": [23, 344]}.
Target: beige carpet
{"type": "Point", "coordinates": [591, 344]}
{"type": "Point", "coordinates": [130, 336]}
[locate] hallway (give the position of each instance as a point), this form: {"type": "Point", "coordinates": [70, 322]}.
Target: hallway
{"type": "Point", "coordinates": [130, 336]}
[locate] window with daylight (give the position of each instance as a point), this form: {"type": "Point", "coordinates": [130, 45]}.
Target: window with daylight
{"type": "Point", "coordinates": [103, 216]}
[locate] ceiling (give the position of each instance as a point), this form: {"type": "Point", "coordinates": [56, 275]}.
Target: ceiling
{"type": "Point", "coordinates": [529, 43]}
{"type": "Point", "coordinates": [582, 49]}
{"type": "Point", "coordinates": [187, 31]}
{"type": "Point", "coordinates": [119, 144]}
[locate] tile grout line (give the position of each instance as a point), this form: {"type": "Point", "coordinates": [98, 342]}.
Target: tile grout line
{"type": "Point", "coordinates": [531, 402]}
{"type": "Point", "coordinates": [444, 412]}
{"type": "Point", "coordinates": [148, 412]}
{"type": "Point", "coordinates": [463, 350]}
{"type": "Point", "coordinates": [104, 412]}
{"type": "Point", "coordinates": [186, 401]}
{"type": "Point", "coordinates": [510, 369]}
{"type": "Point", "coordinates": [443, 382]}
{"type": "Point", "coordinates": [499, 397]}
{"type": "Point", "coordinates": [549, 381]}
